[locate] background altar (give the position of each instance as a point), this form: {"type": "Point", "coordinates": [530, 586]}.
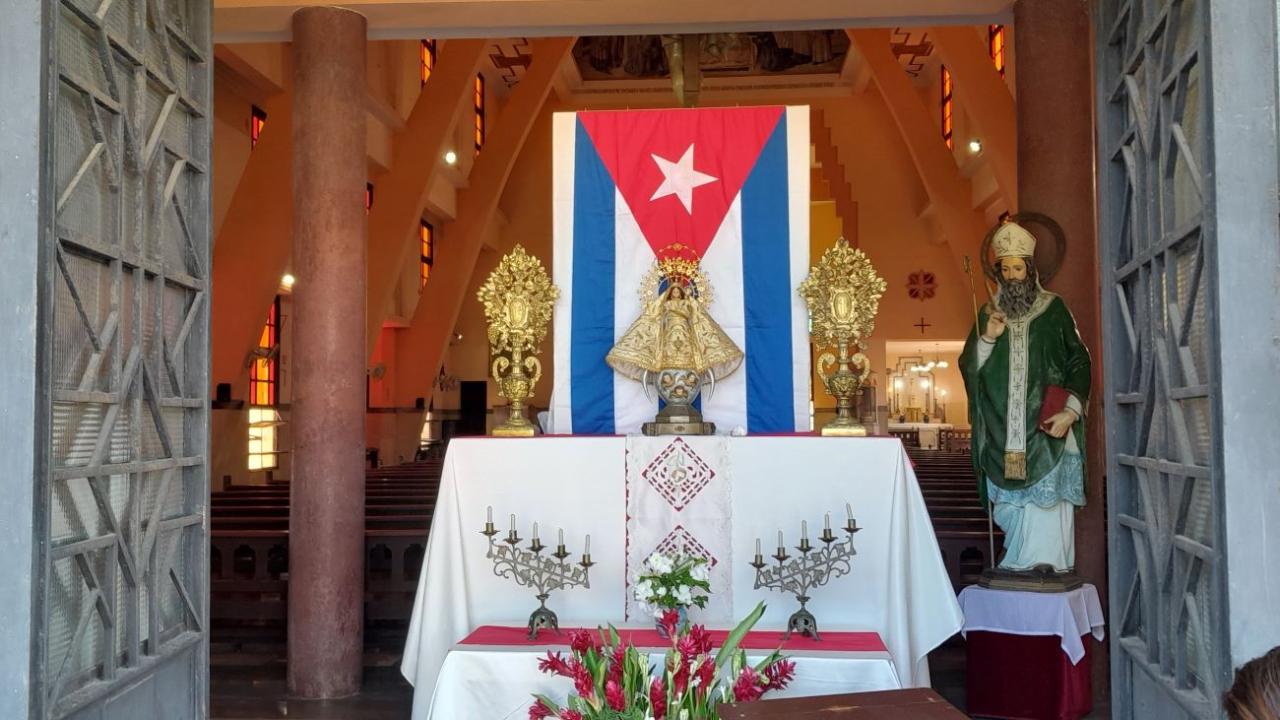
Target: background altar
{"type": "Point", "coordinates": [929, 432]}
{"type": "Point", "coordinates": [898, 587]}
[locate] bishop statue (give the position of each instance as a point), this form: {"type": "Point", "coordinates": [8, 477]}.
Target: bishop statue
{"type": "Point", "coordinates": [1027, 375]}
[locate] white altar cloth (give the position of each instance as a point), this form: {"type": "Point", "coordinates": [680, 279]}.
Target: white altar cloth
{"type": "Point", "coordinates": [898, 587]}
{"type": "Point", "coordinates": [495, 683]}
{"type": "Point", "coordinates": [1069, 615]}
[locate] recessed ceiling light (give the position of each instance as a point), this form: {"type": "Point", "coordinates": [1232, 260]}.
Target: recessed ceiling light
{"type": "Point", "coordinates": [288, 280]}
{"type": "Point", "coordinates": [451, 157]}
{"type": "Point", "coordinates": [975, 146]}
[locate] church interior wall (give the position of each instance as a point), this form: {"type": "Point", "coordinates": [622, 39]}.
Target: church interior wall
{"type": "Point", "coordinates": [897, 228]}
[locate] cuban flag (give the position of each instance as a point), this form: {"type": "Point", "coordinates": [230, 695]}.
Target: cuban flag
{"type": "Point", "coordinates": [727, 185]}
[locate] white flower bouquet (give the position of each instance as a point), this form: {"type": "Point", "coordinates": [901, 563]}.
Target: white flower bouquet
{"type": "Point", "coordinates": [673, 582]}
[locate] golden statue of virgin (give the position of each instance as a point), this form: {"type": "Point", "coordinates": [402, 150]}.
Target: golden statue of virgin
{"type": "Point", "coordinates": [676, 346]}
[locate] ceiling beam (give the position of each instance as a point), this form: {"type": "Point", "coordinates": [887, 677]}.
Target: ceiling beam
{"type": "Point", "coordinates": [394, 219]}
{"type": "Point", "coordinates": [252, 247]}
{"type": "Point", "coordinates": [961, 226]}
{"type": "Point", "coordinates": [419, 349]}
{"type": "Point", "coordinates": [986, 100]}
{"type": "Point", "coordinates": [267, 20]}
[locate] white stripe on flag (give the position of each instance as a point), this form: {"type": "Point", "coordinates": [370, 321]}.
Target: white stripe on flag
{"type": "Point", "coordinates": [564, 129]}
{"type": "Point", "coordinates": [632, 260]}
{"type": "Point", "coordinates": [798, 207]}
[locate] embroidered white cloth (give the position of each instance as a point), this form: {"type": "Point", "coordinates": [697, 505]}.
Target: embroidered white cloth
{"type": "Point", "coordinates": [898, 586]}
{"type": "Point", "coordinates": [679, 500]}
{"type": "Point", "coordinates": [1069, 615]}
{"type": "Point", "coordinates": [497, 683]}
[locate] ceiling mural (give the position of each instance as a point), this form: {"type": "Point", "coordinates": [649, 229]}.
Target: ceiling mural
{"type": "Point", "coordinates": [627, 57]}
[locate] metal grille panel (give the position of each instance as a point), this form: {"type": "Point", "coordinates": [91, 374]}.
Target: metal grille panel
{"type": "Point", "coordinates": [1167, 574]}
{"type": "Point", "coordinates": [125, 566]}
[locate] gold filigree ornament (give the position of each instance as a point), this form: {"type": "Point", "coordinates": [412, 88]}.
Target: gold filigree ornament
{"type": "Point", "coordinates": [843, 294]}
{"type": "Point", "coordinates": [518, 297]}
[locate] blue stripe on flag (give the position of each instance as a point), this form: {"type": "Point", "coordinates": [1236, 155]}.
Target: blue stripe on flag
{"type": "Point", "coordinates": [766, 277]}
{"type": "Point", "coordinates": [593, 266]}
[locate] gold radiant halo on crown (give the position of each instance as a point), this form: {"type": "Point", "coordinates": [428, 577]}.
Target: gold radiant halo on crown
{"type": "Point", "coordinates": [676, 269]}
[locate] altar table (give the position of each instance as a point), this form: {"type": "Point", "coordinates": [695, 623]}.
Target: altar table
{"type": "Point", "coordinates": [898, 587]}
{"type": "Point", "coordinates": [493, 672]}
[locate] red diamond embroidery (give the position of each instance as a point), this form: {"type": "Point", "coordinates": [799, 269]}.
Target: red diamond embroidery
{"type": "Point", "coordinates": [678, 474]}
{"type": "Point", "coordinates": [680, 540]}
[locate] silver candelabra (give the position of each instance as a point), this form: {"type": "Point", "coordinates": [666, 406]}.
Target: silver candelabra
{"type": "Point", "coordinates": [529, 568]}
{"type": "Point", "coordinates": [814, 567]}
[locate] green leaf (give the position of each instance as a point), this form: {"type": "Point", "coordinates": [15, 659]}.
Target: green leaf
{"type": "Point", "coordinates": [549, 703]}
{"type": "Point", "coordinates": [739, 632]}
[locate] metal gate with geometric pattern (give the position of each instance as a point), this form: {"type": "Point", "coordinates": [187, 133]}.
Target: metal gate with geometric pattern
{"type": "Point", "coordinates": [1168, 603]}
{"type": "Point", "coordinates": [122, 612]}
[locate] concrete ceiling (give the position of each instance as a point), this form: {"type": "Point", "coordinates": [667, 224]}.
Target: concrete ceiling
{"type": "Point", "coordinates": [268, 20]}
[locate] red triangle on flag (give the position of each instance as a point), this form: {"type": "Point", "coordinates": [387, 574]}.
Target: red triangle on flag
{"type": "Point", "coordinates": [680, 170]}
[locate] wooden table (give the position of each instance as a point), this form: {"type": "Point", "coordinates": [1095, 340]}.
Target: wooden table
{"type": "Point", "coordinates": [914, 704]}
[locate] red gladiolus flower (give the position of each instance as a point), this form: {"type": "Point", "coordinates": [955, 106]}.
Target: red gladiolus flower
{"type": "Point", "coordinates": [553, 664]}
{"type": "Point", "coordinates": [748, 687]}
{"type": "Point", "coordinates": [658, 699]}
{"type": "Point", "coordinates": [780, 674]}
{"type": "Point", "coordinates": [706, 674]}
{"type": "Point", "coordinates": [538, 711]}
{"type": "Point", "coordinates": [581, 641]}
{"type": "Point", "coordinates": [670, 622]}
{"type": "Point", "coordinates": [571, 715]}
{"type": "Point", "coordinates": [613, 695]}
{"type": "Point", "coordinates": [680, 679]}
{"type": "Point", "coordinates": [582, 680]}
{"type": "Point", "coordinates": [619, 662]}
{"type": "Point", "coordinates": [687, 646]}
{"type": "Point", "coordinates": [701, 639]}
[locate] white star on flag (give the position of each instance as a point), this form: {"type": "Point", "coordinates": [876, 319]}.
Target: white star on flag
{"type": "Point", "coordinates": [679, 179]}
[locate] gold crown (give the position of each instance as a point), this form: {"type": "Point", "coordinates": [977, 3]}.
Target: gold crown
{"type": "Point", "coordinates": [1013, 240]}
{"type": "Point", "coordinates": [673, 268]}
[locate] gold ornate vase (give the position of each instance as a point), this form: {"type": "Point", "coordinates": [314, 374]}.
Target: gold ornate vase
{"type": "Point", "coordinates": [843, 295]}
{"type": "Point", "coordinates": [517, 297]}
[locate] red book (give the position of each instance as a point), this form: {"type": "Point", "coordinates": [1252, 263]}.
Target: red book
{"type": "Point", "coordinates": [1054, 402]}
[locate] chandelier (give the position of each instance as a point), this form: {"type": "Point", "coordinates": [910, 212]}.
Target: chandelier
{"type": "Point", "coordinates": [935, 363]}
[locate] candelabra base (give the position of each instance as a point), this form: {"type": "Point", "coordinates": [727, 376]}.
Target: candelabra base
{"type": "Point", "coordinates": [802, 622]}
{"type": "Point", "coordinates": [543, 619]}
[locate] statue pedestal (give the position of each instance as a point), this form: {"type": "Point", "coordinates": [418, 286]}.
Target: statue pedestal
{"type": "Point", "coordinates": [1041, 579]}
{"type": "Point", "coordinates": [1028, 654]}
{"type": "Point", "coordinates": [679, 418]}
{"type": "Point", "coordinates": [678, 428]}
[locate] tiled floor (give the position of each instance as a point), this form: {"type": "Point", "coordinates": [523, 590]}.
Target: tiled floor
{"type": "Point", "coordinates": [252, 694]}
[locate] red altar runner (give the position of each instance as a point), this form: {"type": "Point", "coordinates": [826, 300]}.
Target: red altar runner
{"type": "Point", "coordinates": [834, 641]}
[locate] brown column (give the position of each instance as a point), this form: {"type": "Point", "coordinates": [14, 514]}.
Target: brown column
{"type": "Point", "coordinates": [1053, 53]}
{"type": "Point", "coordinates": [326, 516]}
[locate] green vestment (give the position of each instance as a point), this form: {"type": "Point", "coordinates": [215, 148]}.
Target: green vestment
{"type": "Point", "coordinates": [1046, 343]}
